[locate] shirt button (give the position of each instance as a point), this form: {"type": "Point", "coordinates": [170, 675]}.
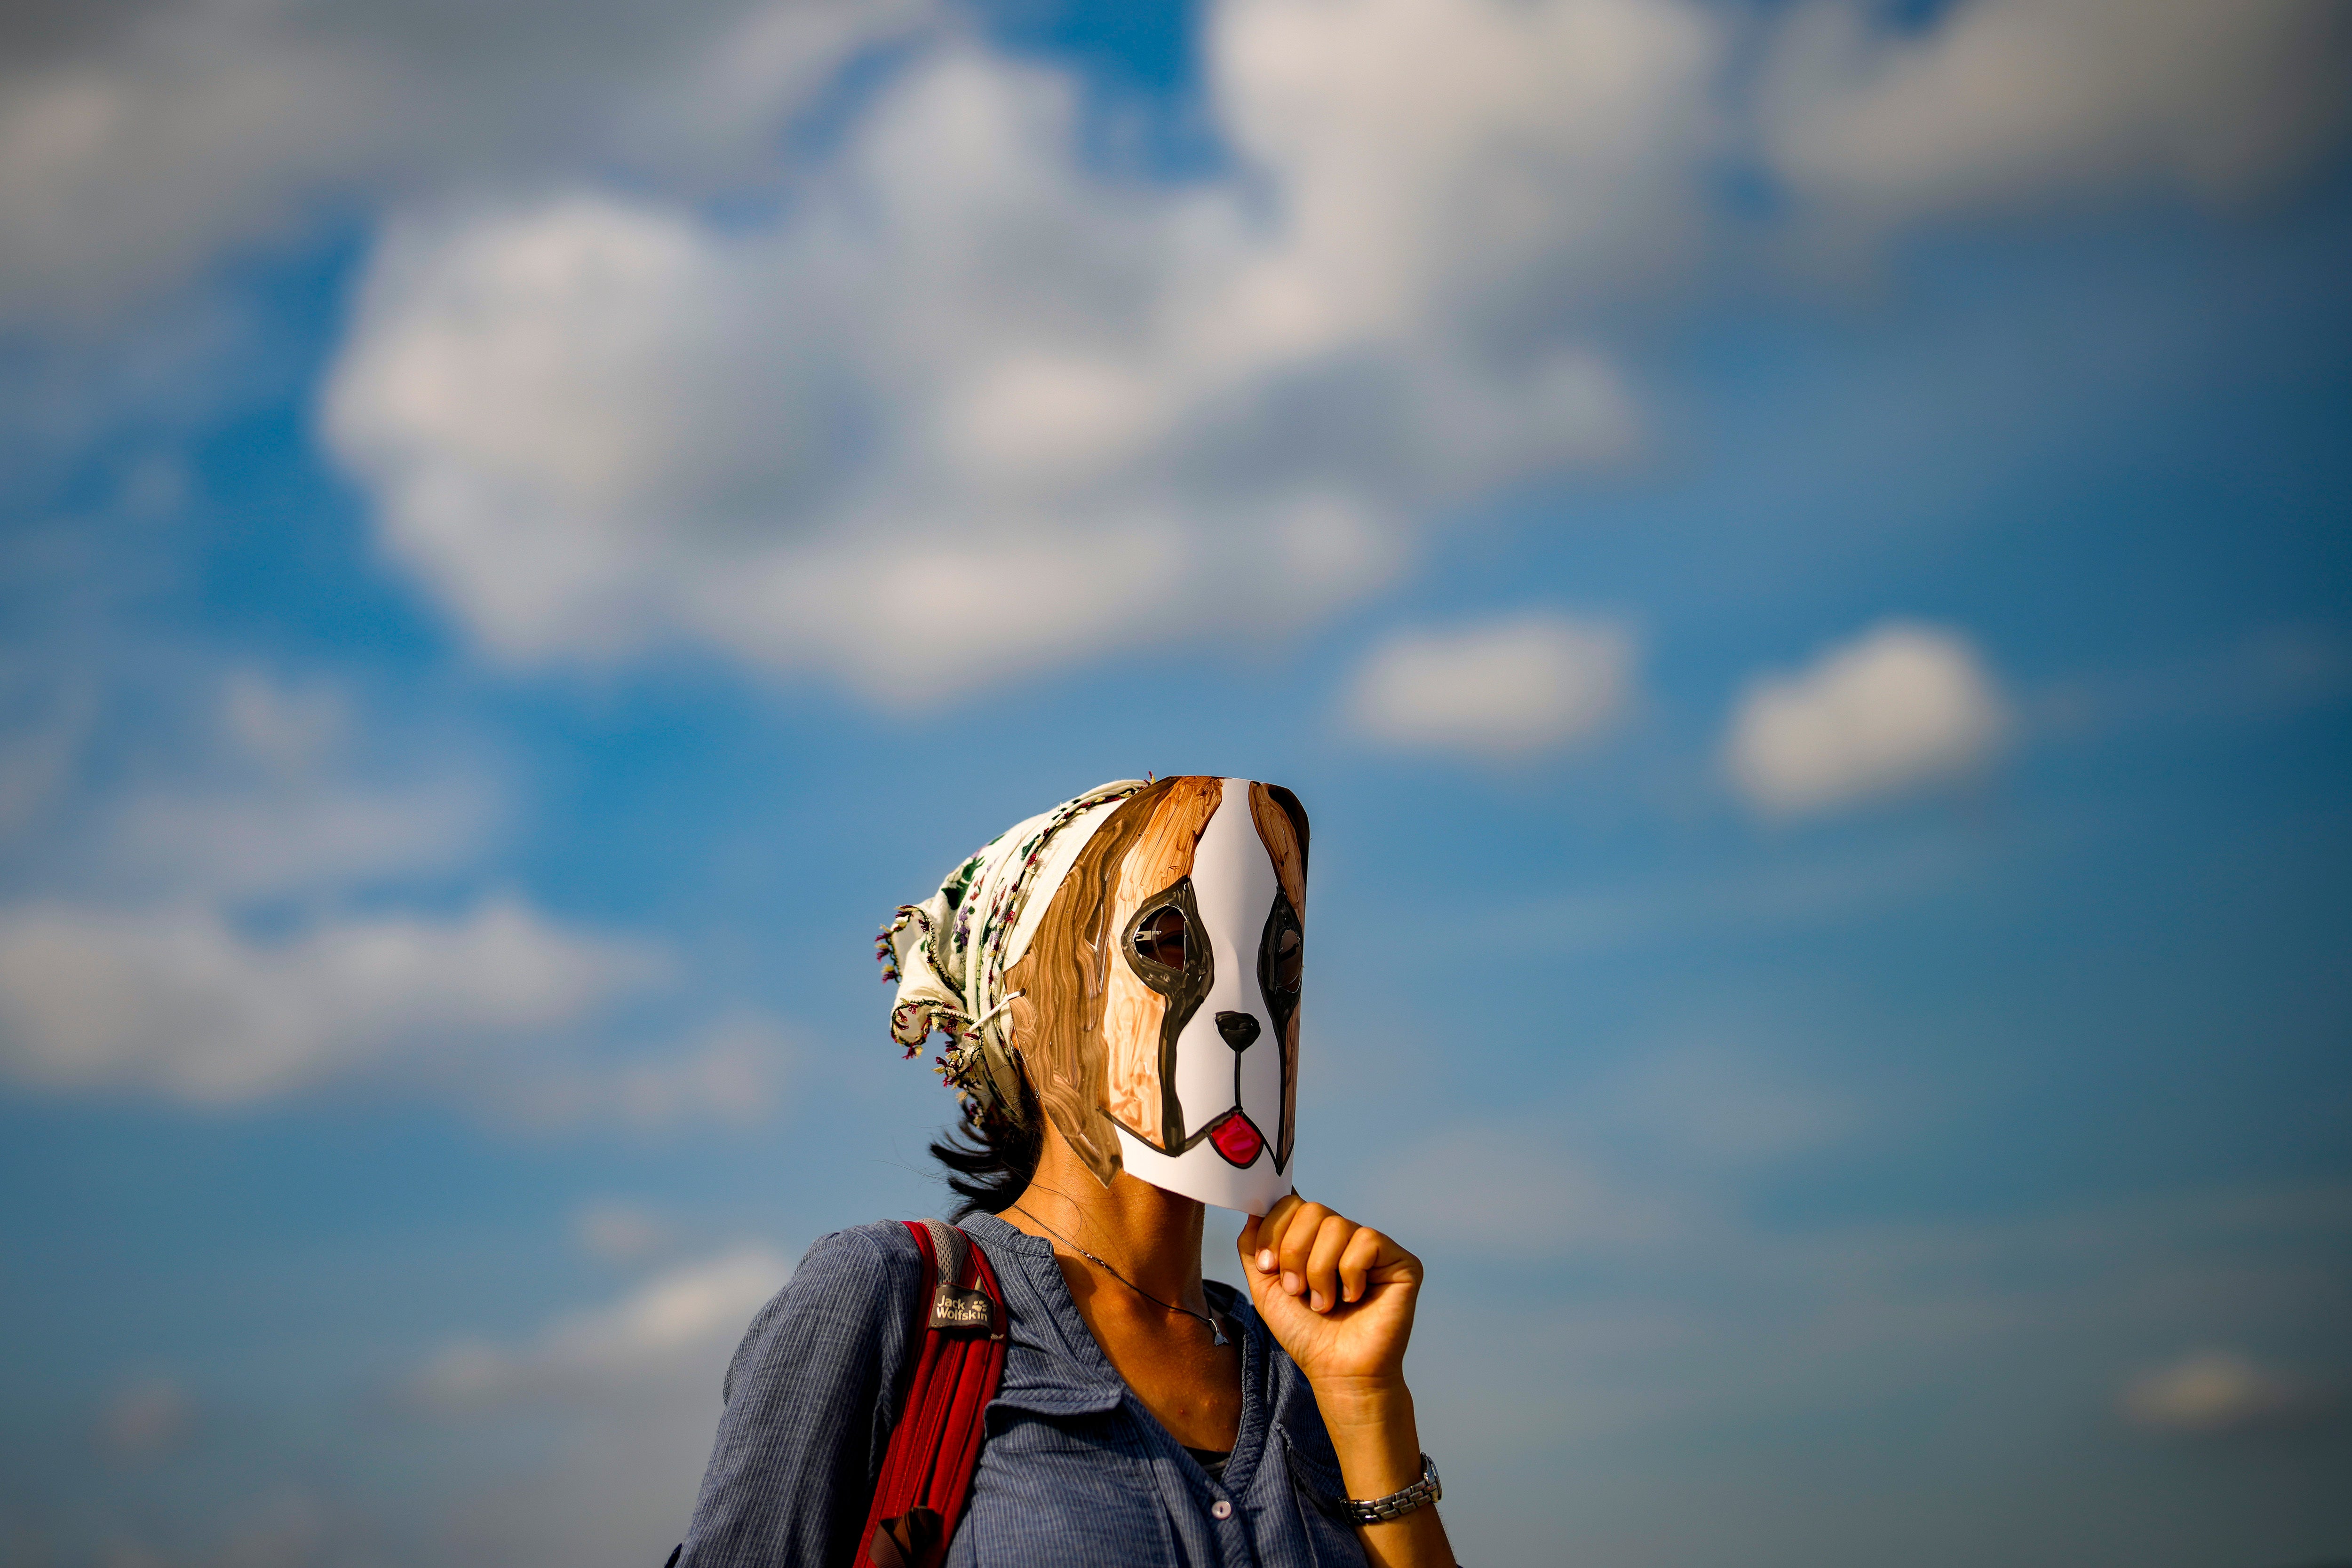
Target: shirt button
{"type": "Point", "coordinates": [1220, 1508]}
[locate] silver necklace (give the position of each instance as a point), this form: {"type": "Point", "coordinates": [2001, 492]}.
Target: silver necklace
{"type": "Point", "coordinates": [1105, 1267]}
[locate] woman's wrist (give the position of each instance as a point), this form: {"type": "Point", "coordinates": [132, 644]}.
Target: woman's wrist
{"type": "Point", "coordinates": [1373, 1433]}
{"type": "Point", "coordinates": [1362, 1401]}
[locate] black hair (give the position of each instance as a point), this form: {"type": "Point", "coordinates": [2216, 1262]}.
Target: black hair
{"type": "Point", "coordinates": [992, 1159]}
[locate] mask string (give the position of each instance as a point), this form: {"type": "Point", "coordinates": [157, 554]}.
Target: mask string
{"type": "Point", "coordinates": [981, 1021]}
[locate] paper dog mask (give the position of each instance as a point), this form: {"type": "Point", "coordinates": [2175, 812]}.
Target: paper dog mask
{"type": "Point", "coordinates": [1137, 954]}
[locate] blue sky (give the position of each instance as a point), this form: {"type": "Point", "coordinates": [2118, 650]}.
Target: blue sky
{"type": "Point", "coordinates": [1799, 572]}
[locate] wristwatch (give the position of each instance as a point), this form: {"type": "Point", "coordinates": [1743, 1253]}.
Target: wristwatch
{"type": "Point", "coordinates": [1397, 1504]}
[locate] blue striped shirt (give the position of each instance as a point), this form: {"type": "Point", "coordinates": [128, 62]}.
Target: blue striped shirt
{"type": "Point", "coordinates": [1074, 1469]}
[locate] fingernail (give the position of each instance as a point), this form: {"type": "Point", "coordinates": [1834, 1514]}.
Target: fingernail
{"type": "Point", "coordinates": [1293, 1283]}
{"type": "Point", "coordinates": [1266, 1260]}
{"type": "Point", "coordinates": [1319, 1303]}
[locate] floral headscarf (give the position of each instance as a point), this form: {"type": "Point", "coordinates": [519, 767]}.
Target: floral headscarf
{"type": "Point", "coordinates": [949, 954]}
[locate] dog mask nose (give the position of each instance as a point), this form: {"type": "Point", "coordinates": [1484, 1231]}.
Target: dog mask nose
{"type": "Point", "coordinates": [1239, 1029]}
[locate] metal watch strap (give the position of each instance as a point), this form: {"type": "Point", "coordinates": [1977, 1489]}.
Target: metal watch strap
{"type": "Point", "coordinates": [1397, 1504]}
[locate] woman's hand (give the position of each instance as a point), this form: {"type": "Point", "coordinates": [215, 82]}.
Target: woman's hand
{"type": "Point", "coordinates": [1340, 1299]}
{"type": "Point", "coordinates": [1338, 1296]}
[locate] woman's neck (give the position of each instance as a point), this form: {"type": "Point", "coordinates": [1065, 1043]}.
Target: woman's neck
{"type": "Point", "coordinates": [1151, 1236]}
{"type": "Point", "coordinates": [1154, 1327]}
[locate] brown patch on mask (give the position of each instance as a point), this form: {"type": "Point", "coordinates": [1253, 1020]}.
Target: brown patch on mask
{"type": "Point", "coordinates": [1133, 1013]}
{"type": "Point", "coordinates": [1280, 836]}
{"type": "Point", "coordinates": [1281, 826]}
{"type": "Point", "coordinates": [1058, 1021]}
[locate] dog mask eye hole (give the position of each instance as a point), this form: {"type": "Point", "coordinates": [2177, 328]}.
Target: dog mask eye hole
{"type": "Point", "coordinates": [1160, 938]}
{"type": "Point", "coordinates": [1289, 958]}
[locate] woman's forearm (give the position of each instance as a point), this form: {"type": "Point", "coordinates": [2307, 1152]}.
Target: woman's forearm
{"type": "Point", "coordinates": [1379, 1444]}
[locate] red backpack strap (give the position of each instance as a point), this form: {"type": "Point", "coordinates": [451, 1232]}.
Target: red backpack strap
{"type": "Point", "coordinates": [935, 1446]}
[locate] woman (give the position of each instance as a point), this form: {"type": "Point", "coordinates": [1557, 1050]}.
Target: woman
{"type": "Point", "coordinates": [1118, 981]}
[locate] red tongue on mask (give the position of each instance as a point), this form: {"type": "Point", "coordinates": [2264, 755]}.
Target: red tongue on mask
{"type": "Point", "coordinates": [1235, 1139]}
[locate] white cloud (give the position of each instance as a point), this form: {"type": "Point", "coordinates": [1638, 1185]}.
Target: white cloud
{"type": "Point", "coordinates": [676, 1327]}
{"type": "Point", "coordinates": [2217, 1392]}
{"type": "Point", "coordinates": [2001, 101]}
{"type": "Point", "coordinates": [128, 960]}
{"type": "Point", "coordinates": [620, 1232]}
{"type": "Point", "coordinates": [47, 724]}
{"type": "Point", "coordinates": [295, 835]}
{"type": "Point", "coordinates": [135, 149]}
{"type": "Point", "coordinates": [970, 381]}
{"type": "Point", "coordinates": [730, 1073]}
{"type": "Point", "coordinates": [181, 1002]}
{"type": "Point", "coordinates": [146, 1418]}
{"type": "Point", "coordinates": [218, 929]}
{"type": "Point", "coordinates": [1503, 688]}
{"type": "Point", "coordinates": [1405, 141]}
{"type": "Point", "coordinates": [636, 1382]}
{"type": "Point", "coordinates": [274, 800]}
{"type": "Point", "coordinates": [1434, 163]}
{"type": "Point", "coordinates": [1901, 707]}
{"type": "Point", "coordinates": [946, 370]}
{"type": "Point", "coordinates": [227, 787]}
{"type": "Point", "coordinates": [289, 728]}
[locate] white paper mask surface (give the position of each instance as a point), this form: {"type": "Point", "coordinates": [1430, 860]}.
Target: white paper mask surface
{"type": "Point", "coordinates": [1226, 1066]}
